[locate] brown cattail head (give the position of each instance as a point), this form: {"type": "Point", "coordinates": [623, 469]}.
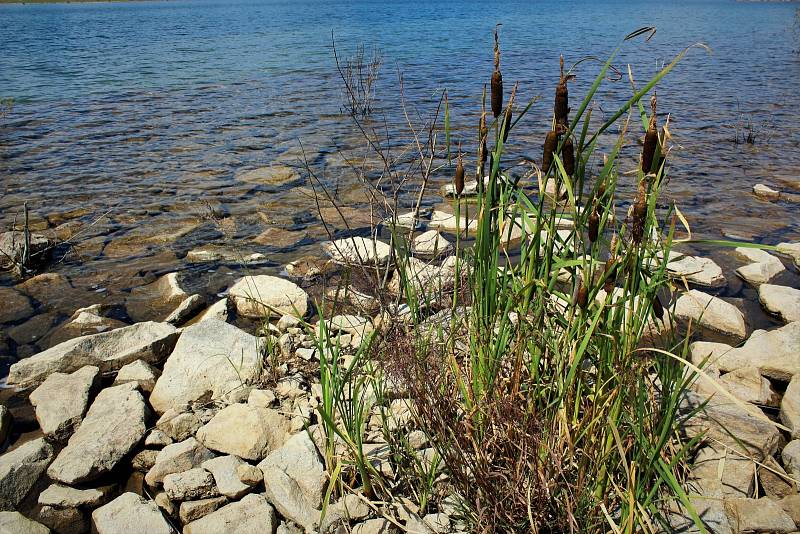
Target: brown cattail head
{"type": "Point", "coordinates": [568, 156]}
{"type": "Point", "coordinates": [594, 224]}
{"type": "Point", "coordinates": [497, 93]}
{"type": "Point", "coordinates": [561, 107]}
{"type": "Point", "coordinates": [610, 275]}
{"type": "Point", "coordinates": [658, 309]}
{"type": "Point", "coordinates": [507, 123]}
{"type": "Point", "coordinates": [550, 145]}
{"type": "Point", "coordinates": [458, 181]}
{"type": "Point", "coordinates": [497, 80]}
{"type": "Point", "coordinates": [638, 218]}
{"type": "Point", "coordinates": [582, 297]}
{"type": "Point", "coordinates": [650, 140]}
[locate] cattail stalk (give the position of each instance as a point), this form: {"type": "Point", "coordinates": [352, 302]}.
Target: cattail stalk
{"type": "Point", "coordinates": [497, 80]}
{"type": "Point", "coordinates": [650, 140]}
{"type": "Point", "coordinates": [561, 107]}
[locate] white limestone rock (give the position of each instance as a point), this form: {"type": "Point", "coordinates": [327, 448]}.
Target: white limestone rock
{"type": "Point", "coordinates": [196, 483]}
{"type": "Point", "coordinates": [61, 400]}
{"type": "Point", "coordinates": [697, 270]}
{"type": "Point", "coordinates": [177, 458]}
{"type": "Point", "coordinates": [431, 244]}
{"type": "Point", "coordinates": [109, 351]}
{"type": "Point", "coordinates": [130, 513]}
{"type": "Point", "coordinates": [139, 372]}
{"type": "Point", "coordinates": [713, 313]}
{"type": "Point", "coordinates": [790, 407]}
{"type": "Point", "coordinates": [358, 251]}
{"type": "Point", "coordinates": [245, 430]}
{"type": "Point", "coordinates": [263, 295]}
{"type": "Point", "coordinates": [225, 472]}
{"type": "Point", "coordinates": [210, 359]}
{"type": "Point", "coordinates": [294, 477]}
{"type": "Point", "coordinates": [781, 301]}
{"type": "Point", "coordinates": [114, 425]}
{"type": "Point", "coordinates": [16, 523]}
{"type": "Point", "coordinates": [251, 515]}
{"type": "Point", "coordinates": [20, 469]}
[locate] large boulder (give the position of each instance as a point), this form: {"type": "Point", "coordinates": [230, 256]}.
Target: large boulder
{"type": "Point", "coordinates": [758, 515]}
{"type": "Point", "coordinates": [108, 351]}
{"type": "Point", "coordinates": [294, 477]}
{"type": "Point", "coordinates": [61, 400]}
{"type": "Point", "coordinates": [211, 359]}
{"type": "Point", "coordinates": [245, 430]}
{"type": "Point", "coordinates": [776, 353]}
{"type": "Point", "coordinates": [130, 513]}
{"type": "Point", "coordinates": [781, 300]}
{"type": "Point", "coordinates": [113, 426]}
{"type": "Point", "coordinates": [176, 458]}
{"type": "Point", "coordinates": [722, 421]}
{"type": "Point", "coordinates": [251, 515]}
{"type": "Point", "coordinates": [16, 523]}
{"type": "Point", "coordinates": [60, 496]}
{"type": "Point", "coordinates": [712, 313]}
{"type": "Point", "coordinates": [263, 295]}
{"type": "Point", "coordinates": [20, 469]}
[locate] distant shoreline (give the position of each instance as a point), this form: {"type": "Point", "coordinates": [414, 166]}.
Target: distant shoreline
{"type": "Point", "coordinates": [20, 2]}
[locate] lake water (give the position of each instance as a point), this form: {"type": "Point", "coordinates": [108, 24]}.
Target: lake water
{"type": "Point", "coordinates": [130, 120]}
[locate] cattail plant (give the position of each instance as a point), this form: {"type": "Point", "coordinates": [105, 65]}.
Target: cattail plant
{"type": "Point", "coordinates": [594, 224]}
{"type": "Point", "coordinates": [507, 123]}
{"type": "Point", "coordinates": [568, 155]}
{"type": "Point", "coordinates": [650, 140]}
{"type": "Point", "coordinates": [550, 145]}
{"type": "Point", "coordinates": [497, 80]}
{"type": "Point", "coordinates": [561, 107]}
{"type": "Point", "coordinates": [638, 214]}
{"type": "Point", "coordinates": [458, 180]}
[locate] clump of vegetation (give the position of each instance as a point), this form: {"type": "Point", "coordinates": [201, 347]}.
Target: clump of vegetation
{"type": "Point", "coordinates": [545, 371]}
{"type": "Point", "coordinates": [359, 74]}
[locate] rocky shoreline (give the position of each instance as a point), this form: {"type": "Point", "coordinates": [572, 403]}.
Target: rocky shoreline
{"type": "Point", "coordinates": [181, 424]}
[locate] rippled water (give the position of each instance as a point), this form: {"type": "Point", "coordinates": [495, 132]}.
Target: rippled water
{"type": "Point", "coordinates": [131, 119]}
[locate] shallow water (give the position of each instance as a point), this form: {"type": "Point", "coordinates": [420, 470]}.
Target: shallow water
{"type": "Point", "coordinates": [135, 119]}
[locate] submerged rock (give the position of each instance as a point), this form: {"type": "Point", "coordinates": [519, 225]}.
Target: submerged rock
{"type": "Point", "coordinates": [61, 400]}
{"type": "Point", "coordinates": [781, 301]}
{"type": "Point", "coordinates": [271, 175]}
{"type": "Point", "coordinates": [108, 351]}
{"type": "Point", "coordinates": [12, 247]}
{"type": "Point", "coordinates": [712, 313]}
{"type": "Point", "coordinates": [210, 359]}
{"type": "Point", "coordinates": [20, 469]}
{"type": "Point", "coordinates": [225, 254]}
{"type": "Point", "coordinates": [114, 425]}
{"type": "Point", "coordinates": [130, 513]}
{"type": "Point", "coordinates": [263, 295]}
{"type": "Point", "coordinates": [16, 306]}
